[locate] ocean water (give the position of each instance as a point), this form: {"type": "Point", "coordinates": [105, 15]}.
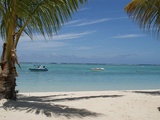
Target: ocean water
{"type": "Point", "coordinates": [80, 77]}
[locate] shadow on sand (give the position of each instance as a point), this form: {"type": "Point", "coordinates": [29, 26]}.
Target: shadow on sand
{"type": "Point", "coordinates": [149, 92]}
{"type": "Point", "coordinates": [45, 105]}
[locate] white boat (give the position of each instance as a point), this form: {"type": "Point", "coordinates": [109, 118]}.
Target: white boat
{"type": "Point", "coordinates": [38, 68]}
{"type": "Point", "coordinates": [97, 69]}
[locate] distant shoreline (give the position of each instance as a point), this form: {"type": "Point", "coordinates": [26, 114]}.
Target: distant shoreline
{"type": "Point", "coordinates": [87, 63]}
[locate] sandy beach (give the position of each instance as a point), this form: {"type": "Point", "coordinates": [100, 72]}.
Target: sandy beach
{"type": "Point", "coordinates": [97, 105]}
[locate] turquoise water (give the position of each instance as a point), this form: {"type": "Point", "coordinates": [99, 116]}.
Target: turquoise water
{"type": "Point", "coordinates": [79, 77]}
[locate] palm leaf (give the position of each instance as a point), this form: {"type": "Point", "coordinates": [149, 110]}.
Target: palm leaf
{"type": "Point", "coordinates": [37, 16]}
{"type": "Point", "coordinates": [146, 13]}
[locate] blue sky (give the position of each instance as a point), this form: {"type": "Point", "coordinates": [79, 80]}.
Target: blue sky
{"type": "Point", "coordinates": [100, 32]}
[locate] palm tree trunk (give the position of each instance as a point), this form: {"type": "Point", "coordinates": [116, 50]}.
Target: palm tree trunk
{"type": "Point", "coordinates": [9, 58]}
{"type": "Point", "coordinates": [8, 75]}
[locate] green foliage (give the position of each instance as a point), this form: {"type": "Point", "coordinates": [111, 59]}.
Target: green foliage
{"type": "Point", "coordinates": [36, 16]}
{"type": "Point", "coordinates": [146, 13]}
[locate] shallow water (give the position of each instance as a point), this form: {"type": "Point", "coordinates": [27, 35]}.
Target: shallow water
{"type": "Point", "coordinates": [79, 77]}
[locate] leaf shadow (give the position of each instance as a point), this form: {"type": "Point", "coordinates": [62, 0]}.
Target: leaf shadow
{"type": "Point", "coordinates": [149, 92]}
{"type": "Point", "coordinates": [46, 105]}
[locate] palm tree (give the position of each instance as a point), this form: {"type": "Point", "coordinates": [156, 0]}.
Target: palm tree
{"type": "Point", "coordinates": [146, 13]}
{"type": "Point", "coordinates": [28, 17]}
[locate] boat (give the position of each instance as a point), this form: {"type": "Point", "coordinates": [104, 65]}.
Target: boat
{"type": "Point", "coordinates": [38, 68]}
{"type": "Point", "coordinates": [97, 69]}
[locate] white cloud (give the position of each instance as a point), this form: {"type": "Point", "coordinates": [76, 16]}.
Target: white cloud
{"type": "Point", "coordinates": [69, 36]}
{"type": "Point", "coordinates": [66, 36]}
{"type": "Point", "coordinates": [82, 9]}
{"type": "Point", "coordinates": [92, 22]}
{"type": "Point", "coordinates": [73, 22]}
{"type": "Point", "coordinates": [97, 21]}
{"type": "Point", "coordinates": [39, 43]}
{"type": "Point", "coordinates": [84, 48]}
{"type": "Point", "coordinates": [128, 36]}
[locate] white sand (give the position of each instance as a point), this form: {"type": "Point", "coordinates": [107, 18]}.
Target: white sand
{"type": "Point", "coordinates": [100, 105]}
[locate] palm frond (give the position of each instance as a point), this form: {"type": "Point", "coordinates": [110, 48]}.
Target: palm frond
{"type": "Point", "coordinates": [37, 16]}
{"type": "Point", "coordinates": [146, 13]}
{"type": "Point", "coordinates": [47, 16]}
